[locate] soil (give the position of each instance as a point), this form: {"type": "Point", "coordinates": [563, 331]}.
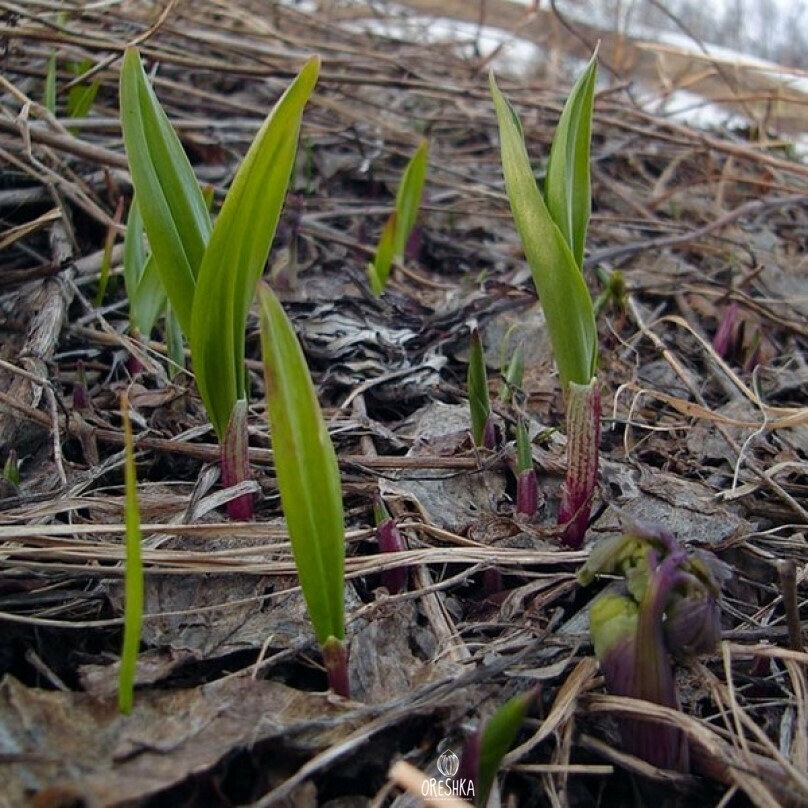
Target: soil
{"type": "Point", "coordinates": [706, 438]}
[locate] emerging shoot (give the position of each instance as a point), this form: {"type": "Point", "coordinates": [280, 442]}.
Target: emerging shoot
{"type": "Point", "coordinates": [398, 228]}
{"type": "Point", "coordinates": [552, 227]}
{"type": "Point", "coordinates": [309, 484]}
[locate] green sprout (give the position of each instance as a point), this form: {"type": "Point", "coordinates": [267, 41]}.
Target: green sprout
{"type": "Point", "coordinates": [399, 226]}
{"type": "Point", "coordinates": [309, 484]}
{"type": "Point", "coordinates": [484, 751]}
{"type": "Point", "coordinates": [527, 486]}
{"type": "Point", "coordinates": [210, 272]}
{"type": "Point", "coordinates": [552, 227]}
{"type": "Point", "coordinates": [483, 429]}
{"type": "Point", "coordinates": [81, 96]}
{"type": "Point", "coordinates": [133, 572]}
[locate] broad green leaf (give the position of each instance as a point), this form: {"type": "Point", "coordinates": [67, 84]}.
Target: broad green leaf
{"type": "Point", "coordinates": [567, 188]}
{"type": "Point", "coordinates": [307, 471]}
{"type": "Point", "coordinates": [379, 270]}
{"type": "Point", "coordinates": [238, 250]}
{"type": "Point", "coordinates": [497, 736]}
{"type": "Point", "coordinates": [133, 572]}
{"type": "Point", "coordinates": [174, 214]}
{"type": "Point", "coordinates": [477, 380]}
{"type": "Point", "coordinates": [144, 288]}
{"type": "Point", "coordinates": [559, 282]}
{"type": "Point", "coordinates": [408, 198]}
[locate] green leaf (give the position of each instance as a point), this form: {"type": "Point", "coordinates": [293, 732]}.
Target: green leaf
{"type": "Point", "coordinates": [479, 401]}
{"type": "Point", "coordinates": [559, 282]}
{"type": "Point", "coordinates": [133, 573]}
{"type": "Point", "coordinates": [81, 96]}
{"type": "Point", "coordinates": [144, 287]}
{"type": "Point", "coordinates": [408, 198]}
{"type": "Point", "coordinates": [307, 471]}
{"type": "Point", "coordinates": [174, 213]}
{"type": "Point", "coordinates": [379, 270]}
{"type": "Point", "coordinates": [567, 188]}
{"type": "Point", "coordinates": [497, 736]}
{"type": "Point", "coordinates": [238, 250]}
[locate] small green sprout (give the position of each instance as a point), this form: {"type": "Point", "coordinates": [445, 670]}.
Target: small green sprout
{"type": "Point", "coordinates": [484, 751]}
{"type": "Point", "coordinates": [11, 469]}
{"type": "Point", "coordinates": [483, 429]}
{"type": "Point", "coordinates": [210, 273]}
{"type": "Point", "coordinates": [527, 486]}
{"type": "Point", "coordinates": [552, 227]}
{"type": "Point", "coordinates": [133, 572]}
{"type": "Point", "coordinates": [309, 483]}
{"type": "Point", "coordinates": [399, 226]}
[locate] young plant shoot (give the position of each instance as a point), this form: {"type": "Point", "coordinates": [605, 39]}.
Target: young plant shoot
{"type": "Point", "coordinates": [390, 541]}
{"type": "Point", "coordinates": [133, 572]}
{"type": "Point", "coordinates": [527, 485]}
{"type": "Point", "coordinates": [552, 227]}
{"type": "Point", "coordinates": [483, 429]}
{"type": "Point", "coordinates": [309, 484]}
{"type": "Point", "coordinates": [670, 608]}
{"type": "Point", "coordinates": [399, 226]}
{"type": "Point", "coordinates": [210, 273]}
{"type": "Point", "coordinates": [484, 751]}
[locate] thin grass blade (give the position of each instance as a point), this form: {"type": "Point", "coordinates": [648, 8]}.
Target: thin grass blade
{"type": "Point", "coordinates": [174, 213]}
{"type": "Point", "coordinates": [238, 250]}
{"type": "Point", "coordinates": [133, 572]}
{"type": "Point", "coordinates": [567, 188]}
{"type": "Point", "coordinates": [307, 471]}
{"type": "Point", "coordinates": [559, 283]}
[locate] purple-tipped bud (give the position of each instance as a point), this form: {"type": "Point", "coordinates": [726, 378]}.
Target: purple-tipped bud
{"type": "Point", "coordinates": [725, 337]}
{"type": "Point", "coordinates": [671, 609]}
{"type": "Point", "coordinates": [491, 435]}
{"type": "Point", "coordinates": [391, 541]}
{"type": "Point", "coordinates": [583, 451]}
{"type": "Point", "coordinates": [693, 625]}
{"type": "Point", "coordinates": [527, 493]}
{"type": "Point", "coordinates": [81, 401]}
{"type": "Point", "coordinates": [492, 581]}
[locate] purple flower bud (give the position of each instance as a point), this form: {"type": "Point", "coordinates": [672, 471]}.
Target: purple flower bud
{"type": "Point", "coordinates": [725, 337]}
{"type": "Point", "coordinates": [391, 541]}
{"type": "Point", "coordinates": [692, 624]}
{"type": "Point", "coordinates": [527, 493]}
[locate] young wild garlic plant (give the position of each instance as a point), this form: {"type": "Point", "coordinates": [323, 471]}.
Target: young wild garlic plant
{"type": "Point", "coordinates": [399, 225]}
{"type": "Point", "coordinates": [552, 227]}
{"type": "Point", "coordinates": [309, 484]}
{"type": "Point", "coordinates": [210, 272]}
{"type": "Point", "coordinates": [669, 608]}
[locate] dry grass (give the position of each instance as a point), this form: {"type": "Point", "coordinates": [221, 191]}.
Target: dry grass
{"type": "Point", "coordinates": [715, 445]}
